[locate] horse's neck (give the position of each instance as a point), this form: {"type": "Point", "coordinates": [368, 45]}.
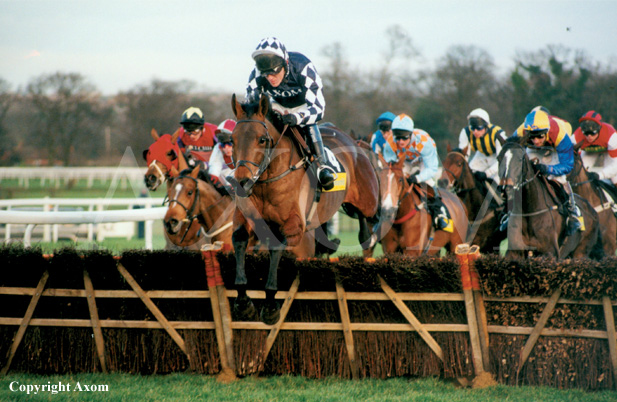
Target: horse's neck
{"type": "Point", "coordinates": [584, 187]}
{"type": "Point", "coordinates": [473, 197]}
{"type": "Point", "coordinates": [211, 208]}
{"type": "Point", "coordinates": [536, 195]}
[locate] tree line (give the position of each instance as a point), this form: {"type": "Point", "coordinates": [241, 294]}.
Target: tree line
{"type": "Point", "coordinates": [61, 118]}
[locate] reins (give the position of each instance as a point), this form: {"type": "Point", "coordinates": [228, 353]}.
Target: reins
{"type": "Point", "coordinates": [265, 162]}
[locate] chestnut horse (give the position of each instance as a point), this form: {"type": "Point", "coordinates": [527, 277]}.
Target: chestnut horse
{"type": "Point", "coordinates": [484, 211]}
{"type": "Point", "coordinates": [597, 197]}
{"type": "Point", "coordinates": [411, 231]}
{"type": "Point", "coordinates": [194, 202]}
{"type": "Point", "coordinates": [535, 222]}
{"type": "Point", "coordinates": [276, 192]}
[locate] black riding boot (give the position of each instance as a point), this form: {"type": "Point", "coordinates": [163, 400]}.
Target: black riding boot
{"type": "Point", "coordinates": [438, 210]}
{"type": "Point", "coordinates": [324, 172]}
{"type": "Point", "coordinates": [575, 219]}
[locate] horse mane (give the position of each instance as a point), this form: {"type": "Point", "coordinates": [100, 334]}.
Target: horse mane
{"type": "Point", "coordinates": [252, 107]}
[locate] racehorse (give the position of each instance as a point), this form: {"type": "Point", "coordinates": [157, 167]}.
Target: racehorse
{"type": "Point", "coordinates": [161, 156]}
{"type": "Point", "coordinates": [276, 192]}
{"type": "Point", "coordinates": [535, 222]}
{"type": "Point", "coordinates": [592, 192]}
{"type": "Point", "coordinates": [403, 205]}
{"type": "Point", "coordinates": [484, 213]}
{"type": "Point", "coordinates": [194, 202]}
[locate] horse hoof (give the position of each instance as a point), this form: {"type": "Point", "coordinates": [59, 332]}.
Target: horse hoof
{"type": "Point", "coordinates": [270, 313]}
{"type": "Point", "coordinates": [244, 309]}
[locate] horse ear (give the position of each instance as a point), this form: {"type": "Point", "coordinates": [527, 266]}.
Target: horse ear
{"type": "Point", "coordinates": [578, 145]}
{"type": "Point", "coordinates": [173, 172]}
{"type": "Point", "coordinates": [448, 147]}
{"type": "Point", "coordinates": [264, 105]}
{"type": "Point", "coordinates": [195, 172]}
{"type": "Point", "coordinates": [236, 107]}
{"type": "Point", "coordinates": [182, 164]}
{"type": "Point", "coordinates": [154, 134]}
{"type": "Point", "coordinates": [175, 135]}
{"type": "Point", "coordinates": [465, 150]}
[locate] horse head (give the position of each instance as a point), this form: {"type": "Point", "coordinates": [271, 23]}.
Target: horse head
{"type": "Point", "coordinates": [455, 166]}
{"type": "Point", "coordinates": [183, 194]}
{"type": "Point", "coordinates": [253, 143]}
{"type": "Point", "coordinates": [161, 156]}
{"type": "Point", "coordinates": [515, 168]}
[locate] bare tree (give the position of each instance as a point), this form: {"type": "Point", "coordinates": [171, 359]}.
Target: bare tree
{"type": "Point", "coordinates": [69, 115]}
{"type": "Point", "coordinates": [7, 152]}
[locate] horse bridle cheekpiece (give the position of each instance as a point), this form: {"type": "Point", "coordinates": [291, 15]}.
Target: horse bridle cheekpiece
{"type": "Point", "coordinates": [261, 167]}
{"type": "Point", "coordinates": [189, 212]}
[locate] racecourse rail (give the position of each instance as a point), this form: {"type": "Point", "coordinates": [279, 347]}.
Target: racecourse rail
{"type": "Point", "coordinates": [57, 175]}
{"type": "Point", "coordinates": [50, 214]}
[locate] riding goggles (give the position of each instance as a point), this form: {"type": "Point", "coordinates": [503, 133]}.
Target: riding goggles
{"type": "Point", "coordinates": [400, 138]}
{"type": "Point", "coordinates": [590, 132]}
{"type": "Point", "coordinates": [385, 126]}
{"type": "Point", "coordinates": [273, 71]}
{"type": "Point", "coordinates": [192, 128]}
{"type": "Point", "coordinates": [230, 143]}
{"type": "Point", "coordinates": [536, 133]}
{"type": "Point", "coordinates": [476, 128]}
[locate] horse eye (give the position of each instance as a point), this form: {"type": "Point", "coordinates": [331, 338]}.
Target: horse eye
{"type": "Point", "coordinates": [190, 192]}
{"type": "Point", "coordinates": [172, 155]}
{"type": "Point", "coordinates": [262, 140]}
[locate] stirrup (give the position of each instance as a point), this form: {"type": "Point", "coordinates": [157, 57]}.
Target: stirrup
{"type": "Point", "coordinates": [327, 182]}
{"type": "Point", "coordinates": [503, 223]}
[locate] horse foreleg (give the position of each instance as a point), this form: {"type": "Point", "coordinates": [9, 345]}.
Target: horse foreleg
{"type": "Point", "coordinates": [270, 313]}
{"type": "Point", "coordinates": [243, 306]}
{"type": "Point", "coordinates": [364, 237]}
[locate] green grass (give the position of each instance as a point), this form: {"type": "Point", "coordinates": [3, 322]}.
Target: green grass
{"type": "Point", "coordinates": [189, 387]}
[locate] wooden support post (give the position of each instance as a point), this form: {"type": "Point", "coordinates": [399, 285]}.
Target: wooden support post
{"type": "Point", "coordinates": [535, 334]}
{"type": "Point", "coordinates": [276, 328]}
{"type": "Point", "coordinates": [462, 254]}
{"type": "Point", "coordinates": [153, 309]}
{"type": "Point", "coordinates": [478, 298]}
{"type": "Point", "coordinates": [411, 318]}
{"type": "Point", "coordinates": [609, 317]}
{"type": "Point", "coordinates": [220, 312]}
{"type": "Point", "coordinates": [341, 296]}
{"type": "Point", "coordinates": [25, 321]}
{"type": "Point", "coordinates": [94, 319]}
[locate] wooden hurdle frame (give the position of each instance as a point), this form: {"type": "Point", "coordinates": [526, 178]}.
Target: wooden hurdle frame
{"type": "Point", "coordinates": [223, 325]}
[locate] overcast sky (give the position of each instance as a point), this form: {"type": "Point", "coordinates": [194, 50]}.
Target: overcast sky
{"type": "Point", "coordinates": [117, 45]}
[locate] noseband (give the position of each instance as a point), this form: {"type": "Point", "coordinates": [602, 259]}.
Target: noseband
{"type": "Point", "coordinates": [261, 167]}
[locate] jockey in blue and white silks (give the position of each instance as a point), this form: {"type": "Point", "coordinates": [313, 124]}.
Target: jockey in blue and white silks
{"type": "Point", "coordinates": [296, 90]}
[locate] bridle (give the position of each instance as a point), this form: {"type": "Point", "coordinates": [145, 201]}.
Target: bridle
{"type": "Point", "coordinates": [457, 179]}
{"type": "Point", "coordinates": [271, 145]}
{"type": "Point", "coordinates": [190, 211]}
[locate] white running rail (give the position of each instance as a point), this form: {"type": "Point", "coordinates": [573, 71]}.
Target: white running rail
{"type": "Point", "coordinates": [48, 213]}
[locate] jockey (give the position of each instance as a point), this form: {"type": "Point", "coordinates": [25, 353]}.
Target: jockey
{"type": "Point", "coordinates": [421, 162]}
{"type": "Point", "coordinates": [221, 163]}
{"type": "Point", "coordinates": [197, 137]}
{"type": "Point", "coordinates": [545, 131]}
{"type": "Point", "coordinates": [295, 88]}
{"type": "Point", "coordinates": [485, 139]}
{"type": "Point", "coordinates": [378, 138]}
{"type": "Point", "coordinates": [599, 148]}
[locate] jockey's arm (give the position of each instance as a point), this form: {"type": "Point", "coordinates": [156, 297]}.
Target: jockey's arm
{"type": "Point", "coordinates": [463, 141]}
{"type": "Point", "coordinates": [565, 152]}
{"type": "Point", "coordinates": [388, 154]}
{"type": "Point", "coordinates": [430, 159]}
{"type": "Point", "coordinates": [314, 98]}
{"type": "Point", "coordinates": [252, 88]}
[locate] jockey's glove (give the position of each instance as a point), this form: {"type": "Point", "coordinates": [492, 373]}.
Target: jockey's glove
{"type": "Point", "coordinates": [542, 168]}
{"type": "Point", "coordinates": [593, 176]}
{"type": "Point", "coordinates": [480, 175]}
{"type": "Point", "coordinates": [289, 119]}
{"type": "Point", "coordinates": [413, 179]}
